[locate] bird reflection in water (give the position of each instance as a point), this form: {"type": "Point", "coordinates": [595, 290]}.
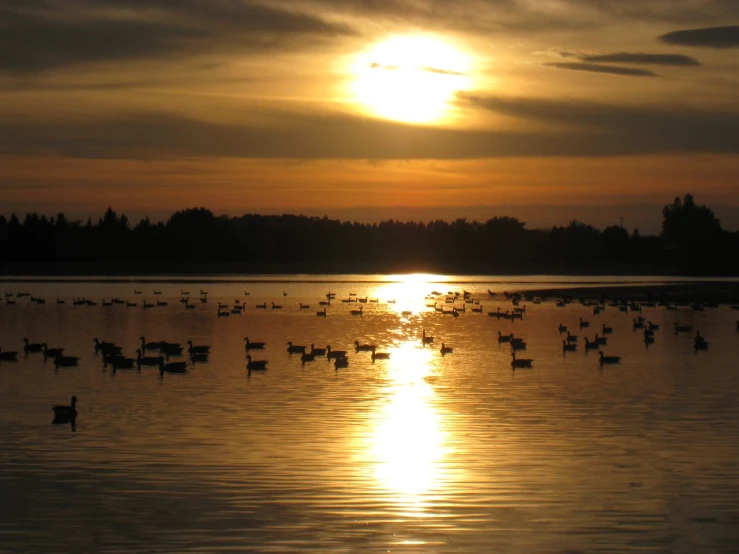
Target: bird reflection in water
{"type": "Point", "coordinates": [407, 442]}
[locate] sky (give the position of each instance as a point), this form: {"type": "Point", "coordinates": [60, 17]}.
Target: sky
{"type": "Point", "coordinates": [546, 110]}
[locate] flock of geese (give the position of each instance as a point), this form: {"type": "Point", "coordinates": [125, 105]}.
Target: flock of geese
{"type": "Point", "coordinates": [158, 353]}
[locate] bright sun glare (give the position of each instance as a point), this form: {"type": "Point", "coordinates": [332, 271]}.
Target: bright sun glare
{"type": "Point", "coordinates": [411, 79]}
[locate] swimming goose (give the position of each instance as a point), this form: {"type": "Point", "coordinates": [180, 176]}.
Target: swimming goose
{"type": "Point", "coordinates": [255, 365]}
{"type": "Point", "coordinates": [199, 357]}
{"type": "Point", "coordinates": [648, 337]}
{"type": "Point", "coordinates": [341, 363]}
{"type": "Point", "coordinates": [357, 312]}
{"type": "Point", "coordinates": [170, 349]}
{"type": "Point", "coordinates": [683, 328]}
{"type": "Point", "coordinates": [276, 306]}
{"type": "Point", "coordinates": [594, 345]}
{"type": "Point", "coordinates": [52, 352]}
{"type": "Point", "coordinates": [131, 304]}
{"type": "Point", "coordinates": [363, 347]}
{"type": "Point", "coordinates": [33, 346]}
{"type": "Point", "coordinates": [478, 309]}
{"type": "Point", "coordinates": [584, 323]}
{"type": "Point", "coordinates": [699, 342]}
{"type": "Point", "coordinates": [518, 344]}
{"type": "Point", "coordinates": [520, 362]}
{"type": "Point", "coordinates": [568, 347]}
{"type": "Point", "coordinates": [607, 330]}
{"type": "Point", "coordinates": [427, 339]}
{"type": "Point", "coordinates": [58, 301]}
{"type": "Point", "coordinates": [562, 328]}
{"type": "Point", "coordinates": [609, 359]}
{"type": "Point", "coordinates": [65, 361]}
{"type": "Point", "coordinates": [304, 306]}
{"type": "Point", "coordinates": [64, 413]}
{"type": "Point", "coordinates": [8, 356]}
{"type": "Point", "coordinates": [121, 362]}
{"type": "Point", "coordinates": [146, 360]}
{"type": "Point", "coordinates": [637, 324]}
{"type": "Point", "coordinates": [161, 304]}
{"type": "Point", "coordinates": [147, 304]}
{"type": "Point", "coordinates": [294, 349]}
{"type": "Point", "coordinates": [571, 338]}
{"type": "Point", "coordinates": [601, 340]}
{"type": "Point", "coordinates": [171, 367]}
{"type": "Point", "coordinates": [254, 345]}
{"type": "Point", "coordinates": [149, 345]}
{"type": "Point", "coordinates": [334, 354]}
{"type": "Point", "coordinates": [317, 351]}
{"type": "Point", "coordinates": [445, 349]}
{"type": "Point", "coordinates": [306, 357]}
{"type": "Point", "coordinates": [262, 306]}
{"type": "Point", "coordinates": [504, 338]}
{"type": "Point", "coordinates": [204, 349]}
{"type": "Point", "coordinates": [322, 313]}
{"type": "Point", "coordinates": [379, 355]}
{"type": "Point", "coordinates": [157, 292]}
{"type": "Point", "coordinates": [652, 327]}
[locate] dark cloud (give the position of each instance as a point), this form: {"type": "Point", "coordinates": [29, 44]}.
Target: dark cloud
{"type": "Point", "coordinates": [595, 68]}
{"type": "Point", "coordinates": [583, 130]}
{"type": "Point", "coordinates": [37, 35]}
{"type": "Point", "coordinates": [711, 37]}
{"type": "Point", "coordinates": [641, 58]}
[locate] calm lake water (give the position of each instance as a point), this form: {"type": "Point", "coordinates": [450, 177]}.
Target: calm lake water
{"type": "Point", "coordinates": [417, 453]}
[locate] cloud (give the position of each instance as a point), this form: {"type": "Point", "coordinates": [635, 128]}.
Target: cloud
{"type": "Point", "coordinates": [641, 58]}
{"type": "Point", "coordinates": [595, 68]}
{"type": "Point", "coordinates": [47, 34]}
{"type": "Point", "coordinates": [428, 69]}
{"type": "Point", "coordinates": [711, 37]}
{"type": "Point", "coordinates": [581, 129]}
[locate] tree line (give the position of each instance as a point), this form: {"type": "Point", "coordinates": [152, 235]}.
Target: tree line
{"type": "Point", "coordinates": [691, 242]}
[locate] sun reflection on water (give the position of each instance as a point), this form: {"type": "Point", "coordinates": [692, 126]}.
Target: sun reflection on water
{"type": "Point", "coordinates": [407, 442]}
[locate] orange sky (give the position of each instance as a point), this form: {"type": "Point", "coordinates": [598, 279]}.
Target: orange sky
{"type": "Point", "coordinates": [409, 109]}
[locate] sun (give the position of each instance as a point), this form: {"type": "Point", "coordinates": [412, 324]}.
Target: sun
{"type": "Point", "coordinates": [410, 78]}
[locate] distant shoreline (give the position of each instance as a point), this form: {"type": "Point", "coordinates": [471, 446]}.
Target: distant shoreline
{"type": "Point", "coordinates": [718, 291]}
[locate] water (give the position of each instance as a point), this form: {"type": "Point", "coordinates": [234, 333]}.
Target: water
{"type": "Point", "coordinates": [418, 453]}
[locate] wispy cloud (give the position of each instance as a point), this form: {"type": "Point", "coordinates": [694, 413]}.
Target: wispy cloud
{"type": "Point", "coordinates": [641, 58]}
{"type": "Point", "coordinates": [609, 69]}
{"type": "Point", "coordinates": [710, 37]}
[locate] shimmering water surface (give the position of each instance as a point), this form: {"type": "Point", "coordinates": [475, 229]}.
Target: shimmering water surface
{"type": "Point", "coordinates": [418, 453]}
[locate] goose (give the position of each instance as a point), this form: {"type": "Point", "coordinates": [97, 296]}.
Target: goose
{"type": "Point", "coordinates": [478, 309]}
{"type": "Point", "coordinates": [10, 302]}
{"type": "Point", "coordinates": [284, 293]}
{"type": "Point", "coordinates": [220, 313]}
{"type": "Point", "coordinates": [136, 291]}
{"type": "Point", "coordinates": [58, 301]}
{"type": "Point", "coordinates": [340, 363]}
{"type": "Point", "coordinates": [199, 357]}
{"type": "Point", "coordinates": [357, 312]}
{"type": "Point", "coordinates": [171, 350]}
{"type": "Point", "coordinates": [520, 362]}
{"type": "Point", "coordinates": [504, 338]}
{"type": "Point", "coordinates": [594, 345]}
{"type": "Point", "coordinates": [106, 303]}
{"type": "Point", "coordinates": [607, 330]}
{"type": "Point", "coordinates": [157, 292]}
{"type": "Point", "coordinates": [427, 339]}
{"type": "Point", "coordinates": [324, 303]}
{"type": "Point", "coordinates": [131, 304]}
{"type": "Point", "coordinates": [334, 354]}
{"type": "Point", "coordinates": [307, 357]}
{"type": "Point", "coordinates": [391, 301]}
{"type": "Point", "coordinates": [171, 367]}
{"type": "Point", "coordinates": [601, 340]}
{"type": "Point", "coordinates": [571, 338]}
{"type": "Point", "coordinates": [568, 347]}
{"type": "Point", "coordinates": [146, 360]}
{"type": "Point", "coordinates": [445, 349]}
{"type": "Point", "coordinates": [149, 345]}
{"type": "Point", "coordinates": [64, 413]}
{"type": "Point", "coordinates": [683, 328]}
{"type": "Point", "coordinates": [648, 338]}
{"type": "Point", "coordinates": [147, 304]}
{"type": "Point", "coordinates": [203, 300]}
{"type": "Point", "coordinates": [652, 327]}
{"type": "Point", "coordinates": [119, 362]}
{"type": "Point", "coordinates": [254, 345]}
{"type": "Point", "coordinates": [184, 293]}
{"type": "Point", "coordinates": [8, 356]}
{"type": "Point", "coordinates": [562, 328]}
{"type": "Point", "coordinates": [363, 347]}
{"type": "Point", "coordinates": [204, 349]}
{"type": "Point", "coordinates": [246, 293]}
{"type": "Point", "coordinates": [161, 304]}
{"type": "Point", "coordinates": [700, 342]}
{"type": "Point", "coordinates": [584, 323]}
{"type": "Point", "coordinates": [33, 346]}
{"type": "Point", "coordinates": [294, 348]}
{"type": "Point", "coordinates": [609, 359]}
{"type": "Point", "coordinates": [304, 306]}
{"type": "Point", "coordinates": [379, 355]}
{"type": "Point", "coordinates": [256, 365]}
{"type": "Point", "coordinates": [52, 352]}
{"type": "Point", "coordinates": [518, 345]}
{"type": "Point", "coordinates": [262, 306]}
{"type": "Point", "coordinates": [321, 313]}
{"type": "Point", "coordinates": [637, 324]}
{"type": "Point", "coordinates": [317, 351]}
{"type": "Point", "coordinates": [189, 306]}
{"type": "Point", "coordinates": [276, 306]}
{"type": "Point", "coordinates": [66, 361]}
